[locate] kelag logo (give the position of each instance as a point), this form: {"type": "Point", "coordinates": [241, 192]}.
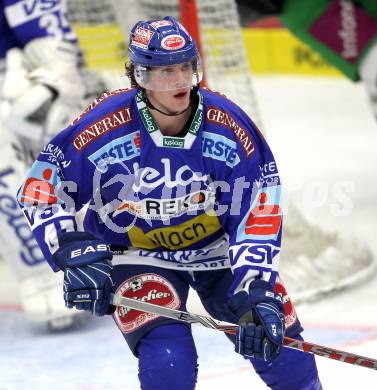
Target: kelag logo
{"type": "Point", "coordinates": [220, 148]}
{"type": "Point", "coordinates": [120, 149]}
{"type": "Point", "coordinates": [174, 142]}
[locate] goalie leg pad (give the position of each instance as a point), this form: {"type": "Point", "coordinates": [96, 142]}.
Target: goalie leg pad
{"type": "Point", "coordinates": [168, 359]}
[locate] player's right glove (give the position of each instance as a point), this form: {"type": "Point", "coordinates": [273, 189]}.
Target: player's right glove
{"type": "Point", "coordinates": [86, 262]}
{"type": "Point", "coordinates": [261, 323]}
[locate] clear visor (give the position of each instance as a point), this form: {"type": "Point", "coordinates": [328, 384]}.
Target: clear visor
{"type": "Point", "coordinates": [169, 77]}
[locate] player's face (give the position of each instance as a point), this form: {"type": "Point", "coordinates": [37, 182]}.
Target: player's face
{"type": "Point", "coordinates": [170, 78]}
{"type": "Point", "coordinates": [177, 79]}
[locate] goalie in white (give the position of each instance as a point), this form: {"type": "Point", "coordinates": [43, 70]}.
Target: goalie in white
{"type": "Point", "coordinates": [40, 90]}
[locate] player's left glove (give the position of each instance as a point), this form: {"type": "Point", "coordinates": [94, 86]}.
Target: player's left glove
{"type": "Point", "coordinates": [87, 267]}
{"type": "Point", "coordinates": [261, 323]}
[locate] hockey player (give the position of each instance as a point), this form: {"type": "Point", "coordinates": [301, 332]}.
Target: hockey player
{"type": "Point", "coordinates": [343, 32]}
{"type": "Point", "coordinates": [182, 191]}
{"type": "Point", "coordinates": [40, 87]}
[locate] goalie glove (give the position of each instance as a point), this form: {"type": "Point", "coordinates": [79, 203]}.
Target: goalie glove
{"type": "Point", "coordinates": [54, 63]}
{"type": "Point", "coordinates": [42, 90]}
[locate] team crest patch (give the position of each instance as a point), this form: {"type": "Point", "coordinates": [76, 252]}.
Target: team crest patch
{"type": "Point", "coordinates": [149, 288]}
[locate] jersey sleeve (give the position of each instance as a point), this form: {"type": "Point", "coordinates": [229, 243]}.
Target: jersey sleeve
{"type": "Point", "coordinates": [253, 213]}
{"type": "Point", "coordinates": [37, 19]}
{"type": "Point", "coordinates": [7, 40]}
{"type": "Point", "coordinates": [51, 196]}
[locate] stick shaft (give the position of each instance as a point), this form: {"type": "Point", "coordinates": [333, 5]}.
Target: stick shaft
{"type": "Point", "coordinates": [208, 322]}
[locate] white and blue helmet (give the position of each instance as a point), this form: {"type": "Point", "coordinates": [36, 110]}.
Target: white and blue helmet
{"type": "Point", "coordinates": [163, 43]}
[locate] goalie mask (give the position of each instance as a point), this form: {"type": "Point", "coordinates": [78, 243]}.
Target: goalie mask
{"type": "Point", "coordinates": [164, 56]}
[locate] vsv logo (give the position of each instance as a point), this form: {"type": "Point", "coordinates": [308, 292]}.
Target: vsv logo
{"type": "Point", "coordinates": [259, 255]}
{"type": "Point", "coordinates": [22, 12]}
{"type": "Point", "coordinates": [34, 6]}
{"type": "Point", "coordinates": [48, 17]}
{"type": "Point", "coordinates": [220, 148]}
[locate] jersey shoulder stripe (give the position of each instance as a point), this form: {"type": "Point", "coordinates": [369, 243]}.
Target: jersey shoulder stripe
{"type": "Point", "coordinates": [116, 96]}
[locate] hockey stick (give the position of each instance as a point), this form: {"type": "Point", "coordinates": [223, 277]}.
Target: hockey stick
{"type": "Point", "coordinates": [208, 322]}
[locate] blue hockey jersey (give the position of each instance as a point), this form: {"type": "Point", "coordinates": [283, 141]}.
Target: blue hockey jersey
{"type": "Point", "coordinates": [24, 20]}
{"type": "Point", "coordinates": [207, 200]}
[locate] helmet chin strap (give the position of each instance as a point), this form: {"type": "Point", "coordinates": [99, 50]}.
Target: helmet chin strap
{"type": "Point", "coordinates": [192, 94]}
{"type": "Point", "coordinates": [151, 106]}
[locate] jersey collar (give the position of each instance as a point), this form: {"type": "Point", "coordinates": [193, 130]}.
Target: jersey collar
{"type": "Point", "coordinates": [154, 131]}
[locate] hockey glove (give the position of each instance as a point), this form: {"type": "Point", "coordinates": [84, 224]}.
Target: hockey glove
{"type": "Point", "coordinates": [87, 267]}
{"type": "Point", "coordinates": [261, 323]}
{"type": "Point", "coordinates": [42, 91]}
